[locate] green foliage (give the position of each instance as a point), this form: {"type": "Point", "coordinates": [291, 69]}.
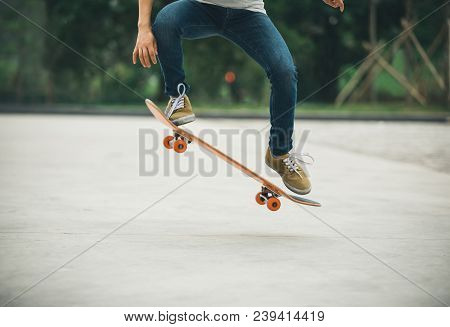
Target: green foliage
{"type": "Point", "coordinates": [35, 66]}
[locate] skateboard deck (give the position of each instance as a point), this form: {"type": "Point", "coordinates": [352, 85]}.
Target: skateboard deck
{"type": "Point", "coordinates": [270, 192]}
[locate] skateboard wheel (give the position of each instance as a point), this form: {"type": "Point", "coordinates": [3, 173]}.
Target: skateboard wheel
{"type": "Point", "coordinates": [168, 142]}
{"type": "Point", "coordinates": [273, 204]}
{"type": "Point", "coordinates": [180, 146]}
{"type": "Point", "coordinates": [259, 199]}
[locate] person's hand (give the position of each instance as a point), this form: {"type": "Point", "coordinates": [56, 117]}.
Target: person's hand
{"type": "Point", "coordinates": [146, 48]}
{"type": "Point", "coordinates": [336, 4]}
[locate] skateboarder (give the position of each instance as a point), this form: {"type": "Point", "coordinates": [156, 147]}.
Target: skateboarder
{"type": "Point", "coordinates": [245, 23]}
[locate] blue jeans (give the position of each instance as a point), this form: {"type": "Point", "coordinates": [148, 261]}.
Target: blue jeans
{"type": "Point", "coordinates": [252, 31]}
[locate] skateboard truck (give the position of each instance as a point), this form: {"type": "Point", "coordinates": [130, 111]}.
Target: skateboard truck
{"type": "Point", "coordinates": [176, 142]}
{"type": "Point", "coordinates": [268, 197]}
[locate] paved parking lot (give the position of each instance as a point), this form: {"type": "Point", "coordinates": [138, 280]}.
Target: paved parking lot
{"type": "Point", "coordinates": [79, 226]}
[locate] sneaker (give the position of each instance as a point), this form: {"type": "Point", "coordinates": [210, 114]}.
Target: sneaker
{"type": "Point", "coordinates": [290, 171]}
{"type": "Point", "coordinates": [179, 109]}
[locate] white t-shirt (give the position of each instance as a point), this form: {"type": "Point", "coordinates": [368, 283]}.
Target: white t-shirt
{"type": "Point", "coordinates": [253, 5]}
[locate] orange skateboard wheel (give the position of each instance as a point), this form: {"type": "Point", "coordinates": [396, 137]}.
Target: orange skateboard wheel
{"type": "Point", "coordinates": [167, 142]}
{"type": "Point", "coordinates": [180, 146]}
{"type": "Point", "coordinates": [260, 200]}
{"type": "Point", "coordinates": [273, 204]}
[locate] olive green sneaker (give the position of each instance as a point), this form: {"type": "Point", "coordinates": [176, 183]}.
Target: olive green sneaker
{"type": "Point", "coordinates": [290, 171]}
{"type": "Point", "coordinates": [179, 110]}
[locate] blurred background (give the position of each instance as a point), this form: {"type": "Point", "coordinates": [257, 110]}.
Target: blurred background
{"type": "Point", "coordinates": [328, 47]}
{"type": "Point", "coordinates": [71, 195]}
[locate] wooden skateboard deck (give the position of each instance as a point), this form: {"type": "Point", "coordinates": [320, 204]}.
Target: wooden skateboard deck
{"type": "Point", "coordinates": [270, 192]}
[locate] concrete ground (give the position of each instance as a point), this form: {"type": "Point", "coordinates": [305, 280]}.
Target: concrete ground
{"type": "Point", "coordinates": [79, 226]}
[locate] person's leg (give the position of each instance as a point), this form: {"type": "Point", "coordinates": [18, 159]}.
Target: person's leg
{"type": "Point", "coordinates": [256, 34]}
{"type": "Point", "coordinates": [182, 19]}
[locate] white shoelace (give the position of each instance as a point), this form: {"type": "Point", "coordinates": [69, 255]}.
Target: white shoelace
{"type": "Point", "coordinates": [178, 102]}
{"type": "Point", "coordinates": [295, 160]}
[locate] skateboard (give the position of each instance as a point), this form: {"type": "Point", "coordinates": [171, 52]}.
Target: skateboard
{"type": "Point", "coordinates": [270, 193]}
